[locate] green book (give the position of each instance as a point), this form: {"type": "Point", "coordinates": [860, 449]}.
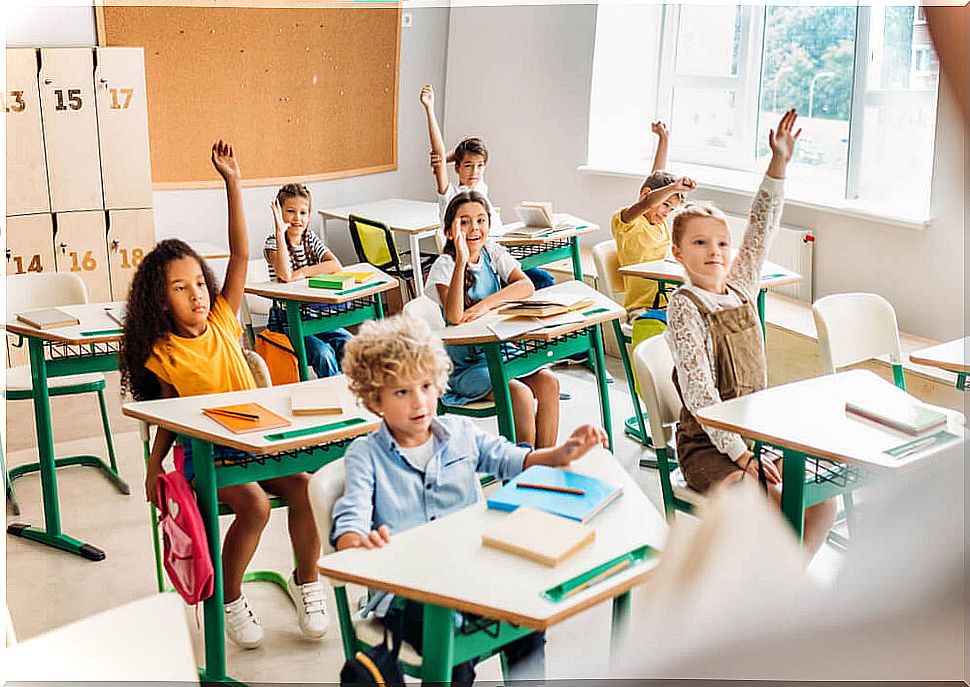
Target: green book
{"type": "Point", "coordinates": [337, 282]}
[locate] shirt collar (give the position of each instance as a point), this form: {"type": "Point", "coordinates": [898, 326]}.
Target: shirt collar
{"type": "Point", "coordinates": [387, 442]}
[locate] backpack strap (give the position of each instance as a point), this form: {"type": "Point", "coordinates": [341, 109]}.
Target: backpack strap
{"type": "Point", "coordinates": [371, 667]}
{"type": "Point", "coordinates": [272, 343]}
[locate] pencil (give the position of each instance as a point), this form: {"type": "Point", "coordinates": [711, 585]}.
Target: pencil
{"type": "Point", "coordinates": [609, 572]}
{"type": "Point", "coordinates": [232, 413]}
{"type": "Point", "coordinates": [549, 487]}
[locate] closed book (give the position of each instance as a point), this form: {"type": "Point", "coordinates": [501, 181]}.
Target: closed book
{"type": "Point", "coordinates": [315, 402]}
{"type": "Point", "coordinates": [596, 494]}
{"type": "Point", "coordinates": [48, 318]}
{"type": "Point", "coordinates": [544, 308]}
{"type": "Point", "coordinates": [360, 277]}
{"type": "Point", "coordinates": [332, 281]}
{"type": "Point", "coordinates": [539, 536]}
{"type": "Point", "coordinates": [243, 418]}
{"type": "Point", "coordinates": [897, 411]}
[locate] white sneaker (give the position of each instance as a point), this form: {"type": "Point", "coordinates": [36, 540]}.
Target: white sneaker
{"type": "Point", "coordinates": [242, 625]}
{"type": "Point", "coordinates": [311, 609]}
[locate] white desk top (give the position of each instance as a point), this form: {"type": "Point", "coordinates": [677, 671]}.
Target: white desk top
{"type": "Point", "coordinates": [92, 317]}
{"type": "Point", "coordinates": [444, 562]}
{"type": "Point", "coordinates": [579, 227]}
{"type": "Point", "coordinates": [951, 355]}
{"type": "Point", "coordinates": [400, 214]}
{"type": "Point", "coordinates": [668, 269]}
{"type": "Point", "coordinates": [300, 290]}
{"type": "Point", "coordinates": [142, 641]}
{"type": "Point", "coordinates": [477, 331]}
{"type": "Point", "coordinates": [184, 416]}
{"type": "Point", "coordinates": [810, 416]}
{"type": "Point", "coordinates": [209, 251]}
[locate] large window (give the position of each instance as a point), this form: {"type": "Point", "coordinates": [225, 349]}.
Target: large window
{"type": "Point", "coordinates": [864, 80]}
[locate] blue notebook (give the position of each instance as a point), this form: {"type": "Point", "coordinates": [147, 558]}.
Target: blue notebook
{"type": "Point", "coordinates": [597, 494]}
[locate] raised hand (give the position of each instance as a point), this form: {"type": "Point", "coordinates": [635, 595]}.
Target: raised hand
{"type": "Point", "coordinates": [224, 160]}
{"type": "Point", "coordinates": [782, 142]}
{"type": "Point", "coordinates": [427, 96]}
{"type": "Point", "coordinates": [660, 129]}
{"type": "Point", "coordinates": [436, 160]}
{"type": "Point", "coordinates": [684, 185]}
{"type": "Point", "coordinates": [277, 215]}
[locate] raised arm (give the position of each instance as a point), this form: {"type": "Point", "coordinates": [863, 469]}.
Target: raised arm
{"type": "Point", "coordinates": [663, 139]}
{"type": "Point", "coordinates": [437, 142]}
{"type": "Point", "coordinates": [279, 258]}
{"type": "Point", "coordinates": [233, 288]}
{"type": "Point", "coordinates": [656, 197]}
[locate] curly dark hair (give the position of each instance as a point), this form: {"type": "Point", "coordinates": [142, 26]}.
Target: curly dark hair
{"type": "Point", "coordinates": [449, 247]}
{"type": "Point", "coordinates": [147, 318]}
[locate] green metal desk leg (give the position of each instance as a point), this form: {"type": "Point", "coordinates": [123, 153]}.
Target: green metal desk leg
{"type": "Point", "coordinates": [574, 254]}
{"type": "Point", "coordinates": [438, 645]}
{"type": "Point", "coordinates": [596, 341]}
{"type": "Point", "coordinates": [379, 306]}
{"type": "Point", "coordinates": [51, 535]}
{"type": "Point", "coordinates": [214, 620]}
{"type": "Point", "coordinates": [761, 312]}
{"type": "Point", "coordinates": [962, 381]}
{"type": "Point", "coordinates": [621, 618]}
{"type": "Point", "coordinates": [793, 491]}
{"type": "Point", "coordinates": [641, 427]}
{"type": "Point", "coordinates": [295, 324]}
{"type": "Point", "coordinates": [7, 484]}
{"type": "Point", "coordinates": [500, 391]}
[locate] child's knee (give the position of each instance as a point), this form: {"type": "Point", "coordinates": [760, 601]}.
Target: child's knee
{"type": "Point", "coordinates": [520, 393]}
{"type": "Point", "coordinates": [251, 505]}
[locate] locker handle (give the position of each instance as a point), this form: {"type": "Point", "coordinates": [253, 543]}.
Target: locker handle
{"type": "Point", "coordinates": [48, 82]}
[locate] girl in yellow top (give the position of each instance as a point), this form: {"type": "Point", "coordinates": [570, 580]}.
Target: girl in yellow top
{"type": "Point", "coordinates": [181, 338]}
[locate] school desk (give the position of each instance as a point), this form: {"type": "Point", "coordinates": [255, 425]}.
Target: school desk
{"type": "Point", "coordinates": [349, 306]}
{"type": "Point", "coordinates": [417, 219]}
{"type": "Point", "coordinates": [950, 356]}
{"type": "Point", "coordinates": [808, 421]}
{"type": "Point", "coordinates": [146, 640]}
{"type": "Point", "coordinates": [516, 356]}
{"type": "Point", "coordinates": [556, 245]}
{"type": "Point", "coordinates": [209, 251]}
{"type": "Point", "coordinates": [91, 346]}
{"type": "Point", "coordinates": [444, 565]}
{"type": "Point", "coordinates": [308, 443]}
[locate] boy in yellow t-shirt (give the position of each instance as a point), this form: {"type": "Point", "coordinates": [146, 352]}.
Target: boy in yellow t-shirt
{"type": "Point", "coordinates": [640, 230]}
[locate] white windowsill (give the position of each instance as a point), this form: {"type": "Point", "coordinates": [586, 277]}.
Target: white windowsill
{"type": "Point", "coordinates": [798, 194]}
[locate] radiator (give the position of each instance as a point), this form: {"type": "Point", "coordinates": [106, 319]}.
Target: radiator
{"type": "Point", "coordinates": [791, 248]}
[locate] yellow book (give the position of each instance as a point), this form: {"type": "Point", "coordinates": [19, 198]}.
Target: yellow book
{"type": "Point", "coordinates": [539, 536]}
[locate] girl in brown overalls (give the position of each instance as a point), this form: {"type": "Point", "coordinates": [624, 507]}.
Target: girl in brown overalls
{"type": "Point", "coordinates": [715, 336]}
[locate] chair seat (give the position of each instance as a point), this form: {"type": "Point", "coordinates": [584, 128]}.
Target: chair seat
{"type": "Point", "coordinates": [684, 492]}
{"type": "Point", "coordinates": [18, 380]}
{"type": "Point", "coordinates": [484, 404]}
{"type": "Point", "coordinates": [627, 329]}
{"type": "Point", "coordinates": [371, 632]}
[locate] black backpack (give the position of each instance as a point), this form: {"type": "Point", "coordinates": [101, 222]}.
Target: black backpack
{"type": "Point", "coordinates": [376, 666]}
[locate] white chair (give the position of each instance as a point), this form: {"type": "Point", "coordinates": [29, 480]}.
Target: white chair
{"type": "Point", "coordinates": [654, 369]}
{"type": "Point", "coordinates": [33, 291]}
{"type": "Point", "coordinates": [257, 271]}
{"type": "Point", "coordinates": [610, 282]}
{"type": "Point", "coordinates": [853, 327]}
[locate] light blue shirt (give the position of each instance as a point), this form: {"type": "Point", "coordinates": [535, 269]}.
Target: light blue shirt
{"type": "Point", "coordinates": [384, 488]}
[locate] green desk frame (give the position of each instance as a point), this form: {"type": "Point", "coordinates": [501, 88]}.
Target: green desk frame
{"type": "Point", "coordinates": [53, 359]}
{"type": "Point", "coordinates": [532, 255]}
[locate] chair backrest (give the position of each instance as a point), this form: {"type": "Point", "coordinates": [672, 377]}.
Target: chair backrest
{"type": "Point", "coordinates": [326, 486]}
{"type": "Point", "coordinates": [653, 365]}
{"type": "Point", "coordinates": [853, 327]}
{"type": "Point", "coordinates": [608, 270]}
{"type": "Point", "coordinates": [44, 290]}
{"type": "Point", "coordinates": [259, 368]}
{"type": "Point", "coordinates": [373, 242]}
{"type": "Point", "coordinates": [257, 271]}
{"type": "Point", "coordinates": [423, 308]}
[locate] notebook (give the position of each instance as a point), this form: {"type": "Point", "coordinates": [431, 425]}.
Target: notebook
{"type": "Point", "coordinates": [544, 308]}
{"type": "Point", "coordinates": [539, 536]}
{"type": "Point", "coordinates": [339, 280]}
{"type": "Point", "coordinates": [48, 318]}
{"type": "Point", "coordinates": [232, 418]}
{"type": "Point", "coordinates": [315, 402]}
{"type": "Point", "coordinates": [898, 412]}
{"type": "Point", "coordinates": [596, 496]}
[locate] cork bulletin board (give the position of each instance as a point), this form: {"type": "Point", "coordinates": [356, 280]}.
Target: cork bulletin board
{"type": "Point", "coordinates": [304, 93]}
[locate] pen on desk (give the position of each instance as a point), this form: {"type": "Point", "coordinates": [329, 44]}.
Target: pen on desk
{"type": "Point", "coordinates": [550, 487]}
{"type": "Point", "coordinates": [232, 413]}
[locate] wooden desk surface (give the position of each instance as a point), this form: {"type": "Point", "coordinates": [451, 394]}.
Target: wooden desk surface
{"type": "Point", "coordinates": [810, 416]}
{"type": "Point", "coordinates": [400, 214]}
{"type": "Point", "coordinates": [92, 317]}
{"type": "Point", "coordinates": [477, 331]}
{"type": "Point", "coordinates": [445, 563]}
{"type": "Point", "coordinates": [580, 227]}
{"type": "Point", "coordinates": [951, 355]}
{"type": "Point", "coordinates": [185, 416]}
{"type": "Point", "coordinates": [301, 290]}
{"type": "Point", "coordinates": [668, 269]}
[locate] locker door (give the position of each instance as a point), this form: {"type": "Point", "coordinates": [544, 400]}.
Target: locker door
{"type": "Point", "coordinates": [70, 128]}
{"type": "Point", "coordinates": [131, 234]}
{"type": "Point", "coordinates": [123, 127]}
{"type": "Point", "coordinates": [26, 164]}
{"type": "Point", "coordinates": [80, 246]}
{"type": "Point", "coordinates": [30, 244]}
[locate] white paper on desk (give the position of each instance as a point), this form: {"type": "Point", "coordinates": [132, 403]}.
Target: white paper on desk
{"type": "Point", "coordinates": [516, 326]}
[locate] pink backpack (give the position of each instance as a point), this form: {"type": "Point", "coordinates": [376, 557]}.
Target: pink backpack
{"type": "Point", "coordinates": [186, 548]}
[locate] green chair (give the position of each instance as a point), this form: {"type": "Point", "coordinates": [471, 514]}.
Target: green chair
{"type": "Point", "coordinates": [51, 290]}
{"type": "Point", "coordinates": [359, 634]}
{"type": "Point", "coordinates": [374, 243]}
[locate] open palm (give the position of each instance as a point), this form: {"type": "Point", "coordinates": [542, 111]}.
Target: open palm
{"type": "Point", "coordinates": [224, 160]}
{"type": "Point", "coordinates": [782, 140]}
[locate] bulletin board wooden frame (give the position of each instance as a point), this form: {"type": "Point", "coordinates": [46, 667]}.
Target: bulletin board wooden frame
{"type": "Point", "coordinates": [305, 92]}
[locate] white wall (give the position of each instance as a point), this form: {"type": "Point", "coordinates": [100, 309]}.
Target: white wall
{"type": "Point", "coordinates": [531, 106]}
{"type": "Point", "coordinates": [201, 215]}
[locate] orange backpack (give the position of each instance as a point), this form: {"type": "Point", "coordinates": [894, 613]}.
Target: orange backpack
{"type": "Point", "coordinates": [275, 348]}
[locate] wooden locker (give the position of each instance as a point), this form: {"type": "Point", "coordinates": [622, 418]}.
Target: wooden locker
{"type": "Point", "coordinates": [119, 84]}
{"type": "Point", "coordinates": [70, 123]}
{"type": "Point", "coordinates": [26, 164]}
{"type": "Point", "coordinates": [30, 244]}
{"type": "Point", "coordinates": [80, 246]}
{"type": "Point", "coordinates": [131, 234]}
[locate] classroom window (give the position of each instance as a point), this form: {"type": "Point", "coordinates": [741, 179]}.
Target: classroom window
{"type": "Point", "coordinates": [864, 80]}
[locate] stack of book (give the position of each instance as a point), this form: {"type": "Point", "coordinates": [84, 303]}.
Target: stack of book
{"type": "Point", "coordinates": [340, 280]}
